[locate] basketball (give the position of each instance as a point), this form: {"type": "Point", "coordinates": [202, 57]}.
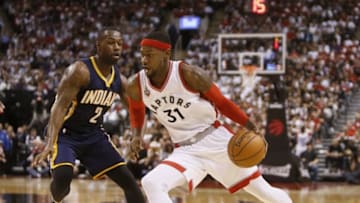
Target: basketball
{"type": "Point", "coordinates": [247, 148]}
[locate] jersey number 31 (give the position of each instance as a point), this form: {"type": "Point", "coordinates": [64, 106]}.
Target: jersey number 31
{"type": "Point", "coordinates": [173, 115]}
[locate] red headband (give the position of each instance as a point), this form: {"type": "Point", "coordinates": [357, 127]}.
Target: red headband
{"type": "Point", "coordinates": [156, 44]}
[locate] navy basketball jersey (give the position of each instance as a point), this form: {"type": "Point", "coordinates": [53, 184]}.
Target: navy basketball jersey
{"type": "Point", "coordinates": [86, 112]}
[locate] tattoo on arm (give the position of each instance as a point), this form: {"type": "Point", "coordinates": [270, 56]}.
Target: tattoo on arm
{"type": "Point", "coordinates": [196, 78]}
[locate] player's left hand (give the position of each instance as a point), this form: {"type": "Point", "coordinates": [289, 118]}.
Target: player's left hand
{"type": "Point", "coordinates": [251, 126]}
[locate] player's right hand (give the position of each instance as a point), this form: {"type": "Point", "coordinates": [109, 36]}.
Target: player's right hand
{"type": "Point", "coordinates": [42, 156]}
{"type": "Point", "coordinates": [134, 148]}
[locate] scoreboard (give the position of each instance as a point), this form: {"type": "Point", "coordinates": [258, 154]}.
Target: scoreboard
{"type": "Point", "coordinates": [257, 7]}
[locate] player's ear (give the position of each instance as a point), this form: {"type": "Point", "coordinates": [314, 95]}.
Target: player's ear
{"type": "Point", "coordinates": [168, 53]}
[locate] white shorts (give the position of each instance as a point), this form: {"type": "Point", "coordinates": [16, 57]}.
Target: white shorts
{"type": "Point", "coordinates": [209, 156]}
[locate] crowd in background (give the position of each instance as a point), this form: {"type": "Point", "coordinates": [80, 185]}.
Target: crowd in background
{"type": "Point", "coordinates": [322, 70]}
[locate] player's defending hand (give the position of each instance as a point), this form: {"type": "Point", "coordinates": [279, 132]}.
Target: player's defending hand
{"type": "Point", "coordinates": [134, 148]}
{"type": "Point", "coordinates": [42, 156]}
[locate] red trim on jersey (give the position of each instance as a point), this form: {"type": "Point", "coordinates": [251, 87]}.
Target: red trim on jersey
{"type": "Point", "coordinates": [190, 185]}
{"type": "Point", "coordinates": [216, 124]}
{"type": "Point", "coordinates": [174, 165]}
{"type": "Point", "coordinates": [226, 107]}
{"type": "Point", "coordinates": [156, 44]}
{"type": "Point", "coordinates": [181, 169]}
{"type": "Point", "coordinates": [137, 113]}
{"type": "Point", "coordinates": [244, 182]}
{"type": "Point", "coordinates": [183, 80]}
{"type": "Point", "coordinates": [163, 85]}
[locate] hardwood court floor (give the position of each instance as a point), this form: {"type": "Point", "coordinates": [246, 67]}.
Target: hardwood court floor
{"type": "Point", "coordinates": [30, 190]}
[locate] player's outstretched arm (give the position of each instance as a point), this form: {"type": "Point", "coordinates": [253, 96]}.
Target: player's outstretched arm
{"type": "Point", "coordinates": [75, 77]}
{"type": "Point", "coordinates": [137, 116]}
{"type": "Point", "coordinates": [198, 80]}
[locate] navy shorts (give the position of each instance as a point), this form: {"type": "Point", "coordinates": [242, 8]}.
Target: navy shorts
{"type": "Point", "coordinates": [94, 150]}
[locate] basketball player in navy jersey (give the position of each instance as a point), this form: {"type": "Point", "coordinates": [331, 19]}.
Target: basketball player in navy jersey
{"type": "Point", "coordinates": [185, 100]}
{"type": "Point", "coordinates": [75, 129]}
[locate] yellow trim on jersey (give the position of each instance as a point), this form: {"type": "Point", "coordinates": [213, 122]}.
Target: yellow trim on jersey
{"type": "Point", "coordinates": [62, 164]}
{"type": "Point", "coordinates": [54, 155]}
{"type": "Point", "coordinates": [97, 70]}
{"type": "Point", "coordinates": [112, 144]}
{"type": "Point", "coordinates": [71, 110]}
{"type": "Point", "coordinates": [99, 175]}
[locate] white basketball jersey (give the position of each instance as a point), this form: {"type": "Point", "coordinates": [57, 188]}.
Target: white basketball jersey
{"type": "Point", "coordinates": [183, 112]}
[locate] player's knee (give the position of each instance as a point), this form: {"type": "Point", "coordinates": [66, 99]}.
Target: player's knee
{"type": "Point", "coordinates": [153, 184]}
{"type": "Point", "coordinates": [147, 182]}
{"type": "Point", "coordinates": [62, 176]}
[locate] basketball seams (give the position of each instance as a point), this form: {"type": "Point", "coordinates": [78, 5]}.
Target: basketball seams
{"type": "Point", "coordinates": [251, 156]}
{"type": "Point", "coordinates": [243, 147]}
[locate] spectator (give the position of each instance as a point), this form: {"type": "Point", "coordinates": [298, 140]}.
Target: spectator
{"type": "Point", "coordinates": [6, 141]}
{"type": "Point", "coordinates": [350, 153]}
{"type": "Point", "coordinates": [334, 156]}
{"type": "Point", "coordinates": [302, 139]}
{"type": "Point", "coordinates": [310, 161]}
{"type": "Point", "coordinates": [23, 150]}
{"type": "Point", "coordinates": [6, 145]}
{"type": "Point", "coordinates": [42, 169]}
{"type": "Point", "coordinates": [40, 114]}
{"type": "Point", "coordinates": [353, 175]}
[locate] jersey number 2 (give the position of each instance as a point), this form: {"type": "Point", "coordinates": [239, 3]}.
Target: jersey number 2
{"type": "Point", "coordinates": [173, 114]}
{"type": "Point", "coordinates": [98, 112]}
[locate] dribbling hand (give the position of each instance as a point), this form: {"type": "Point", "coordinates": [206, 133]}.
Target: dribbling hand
{"type": "Point", "coordinates": [42, 156]}
{"type": "Point", "coordinates": [134, 148]}
{"type": "Point", "coordinates": [251, 126]}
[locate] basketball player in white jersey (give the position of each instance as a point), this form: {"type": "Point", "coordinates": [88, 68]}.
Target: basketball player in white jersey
{"type": "Point", "coordinates": [184, 99]}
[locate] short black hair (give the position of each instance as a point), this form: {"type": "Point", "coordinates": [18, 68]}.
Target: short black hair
{"type": "Point", "coordinates": [101, 33]}
{"type": "Point", "coordinates": [159, 36]}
